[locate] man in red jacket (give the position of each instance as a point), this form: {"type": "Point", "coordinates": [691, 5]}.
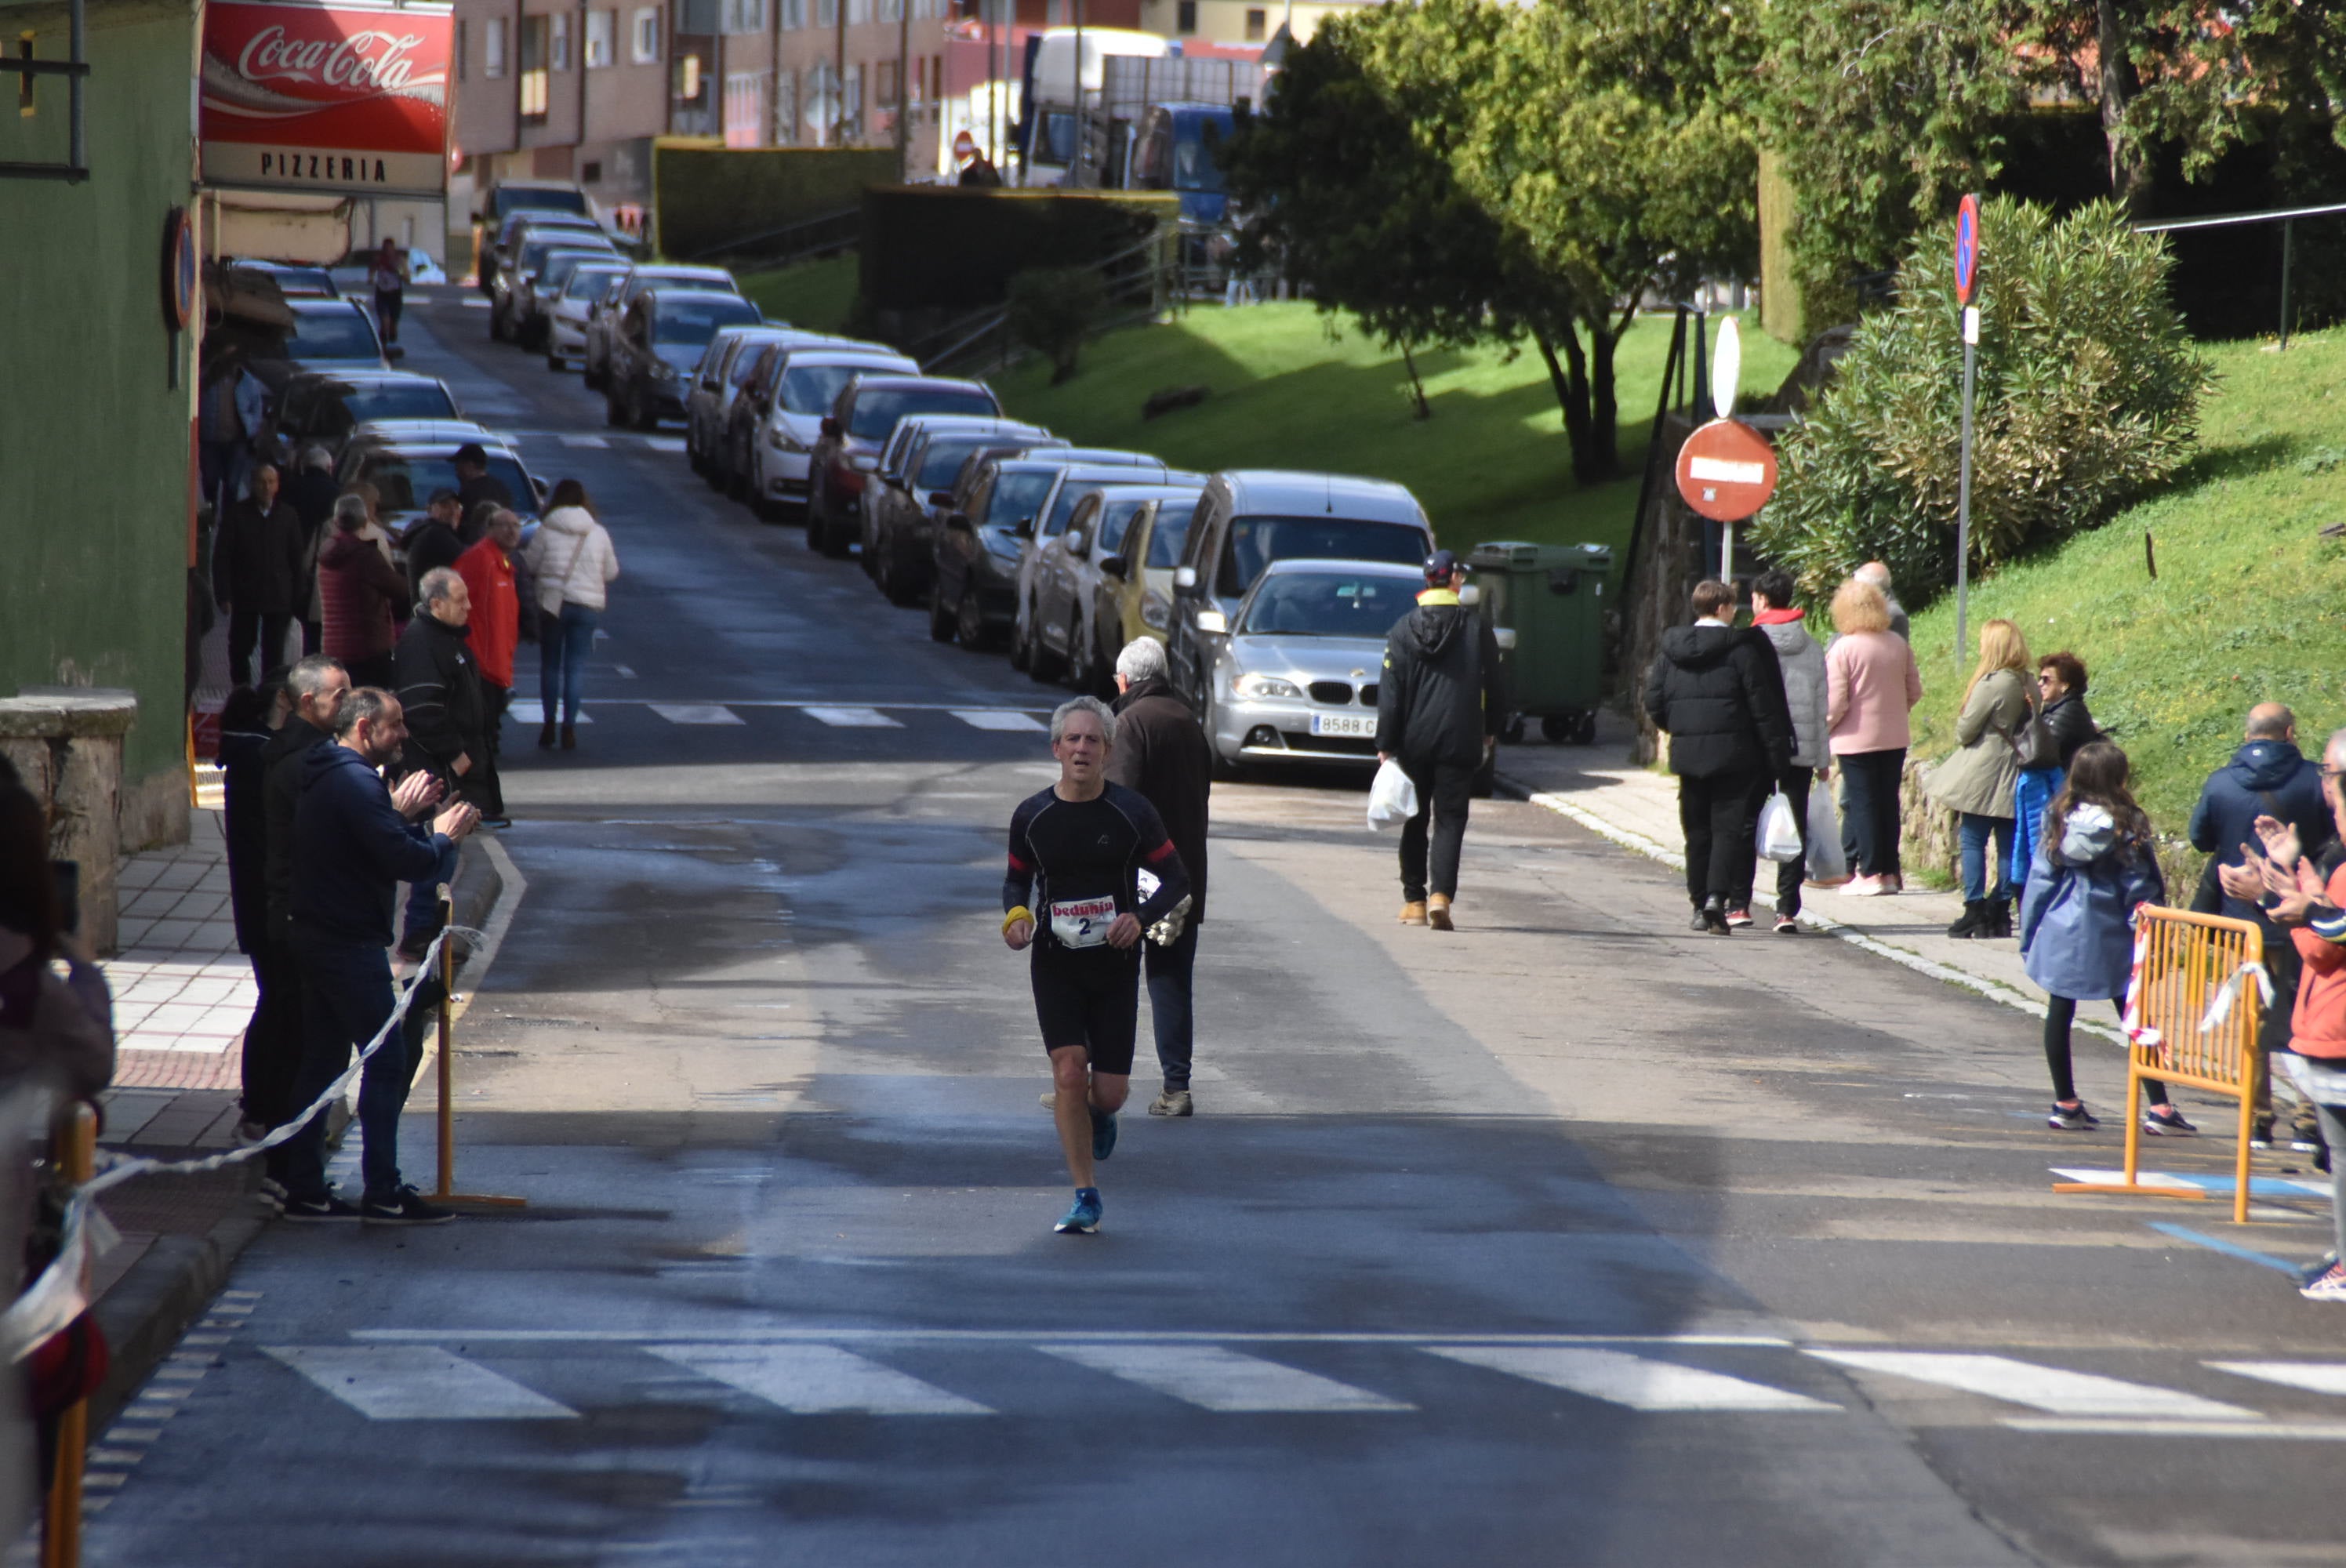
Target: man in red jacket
{"type": "Point", "coordinates": [487, 569]}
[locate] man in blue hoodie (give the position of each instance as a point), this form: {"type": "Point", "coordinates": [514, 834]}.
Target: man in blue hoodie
{"type": "Point", "coordinates": [352, 848]}
{"type": "Point", "coordinates": [2268, 777]}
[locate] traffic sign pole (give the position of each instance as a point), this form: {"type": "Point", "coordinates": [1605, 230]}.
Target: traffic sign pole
{"type": "Point", "coordinates": [1967, 249]}
{"type": "Point", "coordinates": [1964, 481]}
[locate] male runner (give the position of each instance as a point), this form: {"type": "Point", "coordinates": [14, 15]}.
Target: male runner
{"type": "Point", "coordinates": [1073, 893]}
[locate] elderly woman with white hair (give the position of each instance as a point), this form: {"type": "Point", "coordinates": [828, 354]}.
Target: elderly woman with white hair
{"type": "Point", "coordinates": [1162, 754]}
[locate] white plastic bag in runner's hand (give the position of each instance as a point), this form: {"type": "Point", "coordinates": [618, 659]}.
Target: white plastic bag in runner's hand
{"type": "Point", "coordinates": [1825, 861]}
{"type": "Point", "coordinates": [1393, 799]}
{"type": "Point", "coordinates": [1780, 835]}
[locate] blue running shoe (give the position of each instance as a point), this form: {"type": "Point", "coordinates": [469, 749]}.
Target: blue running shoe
{"type": "Point", "coordinates": [1084, 1219]}
{"type": "Point", "coordinates": [1103, 1134]}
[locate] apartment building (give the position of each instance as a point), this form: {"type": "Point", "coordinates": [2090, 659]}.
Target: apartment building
{"type": "Point", "coordinates": [549, 90]}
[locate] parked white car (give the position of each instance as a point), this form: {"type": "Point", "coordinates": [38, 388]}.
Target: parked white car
{"type": "Point", "coordinates": [565, 329]}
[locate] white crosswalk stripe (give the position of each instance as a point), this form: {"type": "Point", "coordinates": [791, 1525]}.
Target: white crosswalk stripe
{"type": "Point", "coordinates": [416, 1383]}
{"type": "Point", "coordinates": [852, 717]}
{"type": "Point", "coordinates": [594, 442]}
{"type": "Point", "coordinates": [998, 718]}
{"type": "Point", "coordinates": [818, 1379]}
{"type": "Point", "coordinates": [1635, 1381]}
{"type": "Point", "coordinates": [695, 712]}
{"type": "Point", "coordinates": [2320, 1377]}
{"type": "Point", "coordinates": [1217, 1380]}
{"type": "Point", "coordinates": [531, 710]}
{"type": "Point", "coordinates": [2048, 1389]}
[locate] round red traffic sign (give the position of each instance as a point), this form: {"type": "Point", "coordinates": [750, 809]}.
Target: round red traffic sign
{"type": "Point", "coordinates": [1966, 249]}
{"type": "Point", "coordinates": [1727, 471]}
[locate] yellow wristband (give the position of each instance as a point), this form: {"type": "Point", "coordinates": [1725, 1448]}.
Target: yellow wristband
{"type": "Point", "coordinates": [1021, 913]}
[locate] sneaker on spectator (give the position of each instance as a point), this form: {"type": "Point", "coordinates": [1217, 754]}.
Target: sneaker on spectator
{"type": "Point", "coordinates": [2072, 1118]}
{"type": "Point", "coordinates": [2313, 1271]}
{"type": "Point", "coordinates": [2260, 1134]}
{"type": "Point", "coordinates": [405, 1206]}
{"type": "Point", "coordinates": [318, 1210]}
{"type": "Point", "coordinates": [1787, 925]}
{"type": "Point", "coordinates": [1863, 888]}
{"type": "Point", "coordinates": [1738, 917]}
{"type": "Point", "coordinates": [2328, 1285]}
{"type": "Point", "coordinates": [2167, 1124]}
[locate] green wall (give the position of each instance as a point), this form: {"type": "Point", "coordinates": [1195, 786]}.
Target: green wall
{"type": "Point", "coordinates": [94, 436]}
{"type": "Point", "coordinates": [708, 196]}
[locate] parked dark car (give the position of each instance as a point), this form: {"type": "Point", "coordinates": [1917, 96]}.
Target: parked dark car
{"type": "Point", "coordinates": [294, 279]}
{"type": "Point", "coordinates": [538, 277]}
{"type": "Point", "coordinates": [910, 493]}
{"type": "Point", "coordinates": [857, 427]}
{"type": "Point", "coordinates": [497, 238]}
{"type": "Point", "coordinates": [320, 407]}
{"type": "Point", "coordinates": [658, 341]}
{"type": "Point", "coordinates": [603, 320]}
{"type": "Point", "coordinates": [406, 472]}
{"type": "Point", "coordinates": [974, 585]}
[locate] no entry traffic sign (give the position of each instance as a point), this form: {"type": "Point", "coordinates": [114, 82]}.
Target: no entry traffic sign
{"type": "Point", "coordinates": [1966, 249]}
{"type": "Point", "coordinates": [1727, 471]}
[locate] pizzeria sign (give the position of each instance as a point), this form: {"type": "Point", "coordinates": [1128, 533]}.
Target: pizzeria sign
{"type": "Point", "coordinates": [340, 100]}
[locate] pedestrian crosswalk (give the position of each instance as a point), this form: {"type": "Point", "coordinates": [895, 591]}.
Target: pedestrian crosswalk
{"type": "Point", "coordinates": [406, 1380]}
{"type": "Point", "coordinates": [528, 711]}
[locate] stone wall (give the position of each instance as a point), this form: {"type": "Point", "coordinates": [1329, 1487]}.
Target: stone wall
{"type": "Point", "coordinates": [67, 749]}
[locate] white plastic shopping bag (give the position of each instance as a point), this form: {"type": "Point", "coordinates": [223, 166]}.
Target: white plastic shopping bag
{"type": "Point", "coordinates": [1393, 799]}
{"type": "Point", "coordinates": [1825, 861]}
{"type": "Point", "coordinates": [1779, 834]}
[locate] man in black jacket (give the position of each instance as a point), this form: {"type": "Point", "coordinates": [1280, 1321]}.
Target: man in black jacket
{"type": "Point", "coordinates": [1717, 692]}
{"type": "Point", "coordinates": [257, 561]}
{"type": "Point", "coordinates": [1439, 714]}
{"type": "Point", "coordinates": [352, 844]}
{"type": "Point", "coordinates": [434, 540]}
{"type": "Point", "coordinates": [2267, 776]}
{"type": "Point", "coordinates": [1161, 753]}
{"type": "Point", "coordinates": [447, 720]}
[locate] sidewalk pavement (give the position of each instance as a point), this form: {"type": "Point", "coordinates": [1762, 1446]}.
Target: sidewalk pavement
{"type": "Point", "coordinates": [1637, 807]}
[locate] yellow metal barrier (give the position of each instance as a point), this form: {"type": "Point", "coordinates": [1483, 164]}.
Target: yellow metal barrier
{"type": "Point", "coordinates": [2194, 1012]}
{"type": "Point", "coordinates": [76, 1145]}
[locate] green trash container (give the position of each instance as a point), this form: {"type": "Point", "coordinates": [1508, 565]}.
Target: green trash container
{"type": "Point", "coordinates": [1546, 602]}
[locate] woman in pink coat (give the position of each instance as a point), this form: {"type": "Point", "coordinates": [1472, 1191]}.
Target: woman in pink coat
{"type": "Point", "coordinates": [1870, 685]}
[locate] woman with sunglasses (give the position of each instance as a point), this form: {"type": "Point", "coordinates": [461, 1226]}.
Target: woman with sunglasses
{"type": "Point", "coordinates": [2061, 705]}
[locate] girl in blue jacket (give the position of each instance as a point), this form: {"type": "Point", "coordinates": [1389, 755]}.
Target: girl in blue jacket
{"type": "Point", "coordinates": [2093, 867]}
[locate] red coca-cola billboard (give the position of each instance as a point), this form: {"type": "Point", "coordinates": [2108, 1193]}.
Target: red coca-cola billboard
{"type": "Point", "coordinates": [342, 98]}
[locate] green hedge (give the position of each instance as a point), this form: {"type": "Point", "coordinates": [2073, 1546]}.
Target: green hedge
{"type": "Point", "coordinates": [704, 198]}
{"type": "Point", "coordinates": [932, 247]}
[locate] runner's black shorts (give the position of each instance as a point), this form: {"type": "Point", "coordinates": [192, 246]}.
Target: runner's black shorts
{"type": "Point", "coordinates": [1090, 999]}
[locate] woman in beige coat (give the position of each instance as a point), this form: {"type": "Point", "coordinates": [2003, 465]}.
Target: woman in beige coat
{"type": "Point", "coordinates": [1976, 781]}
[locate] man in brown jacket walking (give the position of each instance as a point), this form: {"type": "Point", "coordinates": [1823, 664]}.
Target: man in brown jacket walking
{"type": "Point", "coordinates": [1161, 753]}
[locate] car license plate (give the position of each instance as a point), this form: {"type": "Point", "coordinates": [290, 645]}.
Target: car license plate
{"type": "Point", "coordinates": [1358, 725]}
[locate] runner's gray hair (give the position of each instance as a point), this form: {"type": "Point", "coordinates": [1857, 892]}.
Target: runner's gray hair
{"type": "Point", "coordinates": [1143, 658]}
{"type": "Point", "coordinates": [1092, 705]}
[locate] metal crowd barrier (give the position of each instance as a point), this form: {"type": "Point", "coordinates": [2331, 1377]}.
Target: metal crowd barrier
{"type": "Point", "coordinates": [2198, 994]}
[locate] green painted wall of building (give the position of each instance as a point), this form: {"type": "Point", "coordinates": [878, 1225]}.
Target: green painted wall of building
{"type": "Point", "coordinates": [94, 424]}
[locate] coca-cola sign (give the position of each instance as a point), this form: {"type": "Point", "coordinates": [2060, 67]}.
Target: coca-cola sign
{"type": "Point", "coordinates": [333, 99]}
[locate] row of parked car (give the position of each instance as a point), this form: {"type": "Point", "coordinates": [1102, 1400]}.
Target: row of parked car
{"type": "Point", "coordinates": [1273, 590]}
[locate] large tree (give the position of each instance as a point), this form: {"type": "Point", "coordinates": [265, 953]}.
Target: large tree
{"type": "Point", "coordinates": [1336, 186]}
{"type": "Point", "coordinates": [1611, 139]}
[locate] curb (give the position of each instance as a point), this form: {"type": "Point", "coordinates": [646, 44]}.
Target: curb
{"type": "Point", "coordinates": [165, 1291]}
{"type": "Point", "coordinates": [1638, 844]}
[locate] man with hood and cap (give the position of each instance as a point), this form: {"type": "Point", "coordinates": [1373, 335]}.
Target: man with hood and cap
{"type": "Point", "coordinates": [1719, 692]}
{"type": "Point", "coordinates": [2267, 776]}
{"type": "Point", "coordinates": [1439, 714]}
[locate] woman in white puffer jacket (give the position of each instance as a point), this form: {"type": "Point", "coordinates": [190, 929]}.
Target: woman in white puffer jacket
{"type": "Point", "coordinates": [572, 563]}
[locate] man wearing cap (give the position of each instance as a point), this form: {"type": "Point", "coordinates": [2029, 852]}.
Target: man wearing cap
{"type": "Point", "coordinates": [474, 483]}
{"type": "Point", "coordinates": [1439, 713]}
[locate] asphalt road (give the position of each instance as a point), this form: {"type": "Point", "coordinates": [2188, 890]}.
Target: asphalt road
{"type": "Point", "coordinates": [1570, 1237]}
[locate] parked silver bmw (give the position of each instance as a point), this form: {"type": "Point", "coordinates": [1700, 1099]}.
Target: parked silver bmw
{"type": "Point", "coordinates": [1295, 678]}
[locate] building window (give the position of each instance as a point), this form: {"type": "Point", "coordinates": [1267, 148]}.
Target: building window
{"type": "Point", "coordinates": [1255, 20]}
{"type": "Point", "coordinates": [786, 110]}
{"type": "Point", "coordinates": [602, 31]}
{"type": "Point", "coordinates": [892, 10]}
{"type": "Point", "coordinates": [743, 17]}
{"type": "Point", "coordinates": [826, 13]}
{"type": "Point", "coordinates": [533, 93]}
{"type": "Point", "coordinates": [463, 38]}
{"type": "Point", "coordinates": [591, 171]}
{"type": "Point", "coordinates": [1186, 17]}
{"type": "Point", "coordinates": [561, 44]}
{"type": "Point", "coordinates": [794, 14]}
{"type": "Point", "coordinates": [493, 48]}
{"type": "Point", "coordinates": [1057, 12]}
{"type": "Point", "coordinates": [648, 34]}
{"type": "Point", "coordinates": [858, 12]}
{"type": "Point", "coordinates": [691, 86]}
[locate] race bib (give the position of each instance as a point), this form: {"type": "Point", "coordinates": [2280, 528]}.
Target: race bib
{"type": "Point", "coordinates": [1082, 923]}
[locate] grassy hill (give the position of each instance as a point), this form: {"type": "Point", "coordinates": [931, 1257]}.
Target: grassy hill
{"type": "Point", "coordinates": [817, 295]}
{"type": "Point", "coordinates": [1287, 393]}
{"type": "Point", "coordinates": [2246, 606]}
